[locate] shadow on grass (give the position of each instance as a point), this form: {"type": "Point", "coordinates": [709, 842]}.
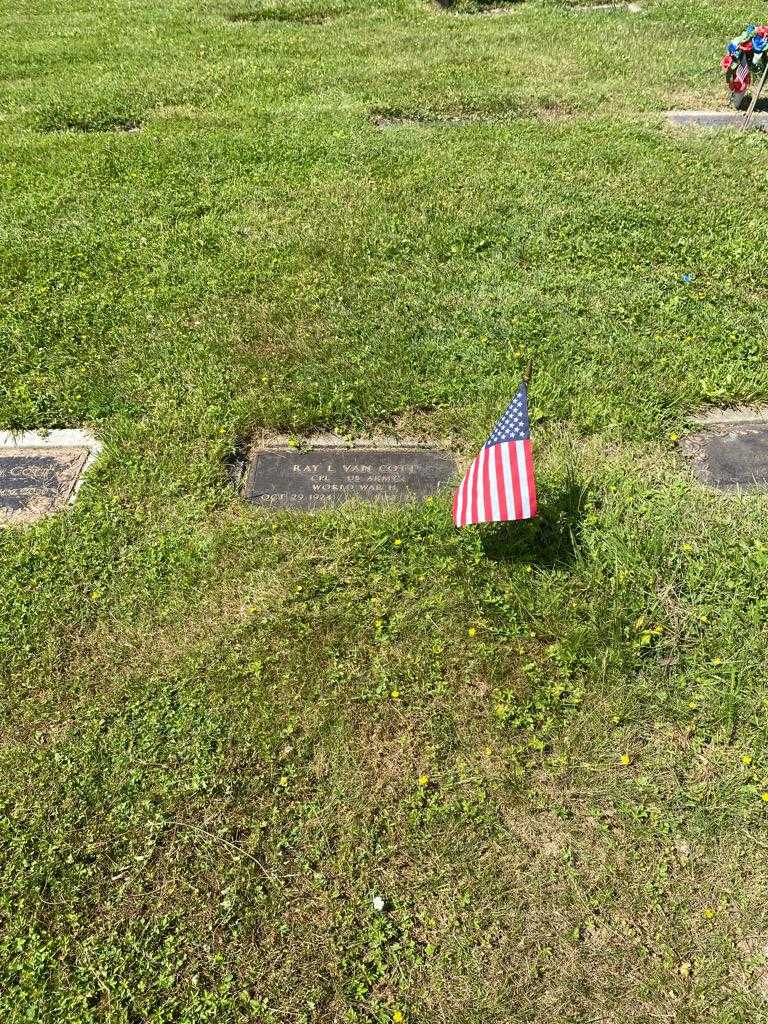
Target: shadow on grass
{"type": "Point", "coordinates": [548, 541]}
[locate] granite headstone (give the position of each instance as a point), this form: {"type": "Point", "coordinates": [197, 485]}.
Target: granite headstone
{"type": "Point", "coordinates": [322, 477]}
{"type": "Point", "coordinates": [37, 481]}
{"type": "Point", "coordinates": [731, 455]}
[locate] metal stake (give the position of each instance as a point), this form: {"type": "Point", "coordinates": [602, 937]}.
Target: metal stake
{"type": "Point", "coordinates": [755, 98]}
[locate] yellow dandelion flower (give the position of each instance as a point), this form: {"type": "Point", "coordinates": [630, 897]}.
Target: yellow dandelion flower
{"type": "Point", "coordinates": [397, 1017]}
{"type": "Point", "coordinates": [397, 542]}
{"type": "Point", "coordinates": [764, 797]}
{"type": "Point", "coordinates": [423, 780]}
{"type": "Point", "coordinates": [746, 759]}
{"type": "Point", "coordinates": [709, 913]}
{"type": "Point", "coordinates": [395, 694]}
{"type": "Point", "coordinates": [624, 759]}
{"type": "Point", "coordinates": [471, 631]}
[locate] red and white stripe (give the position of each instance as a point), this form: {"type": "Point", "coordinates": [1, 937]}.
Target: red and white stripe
{"type": "Point", "coordinates": [742, 73]}
{"type": "Point", "coordinates": [498, 487]}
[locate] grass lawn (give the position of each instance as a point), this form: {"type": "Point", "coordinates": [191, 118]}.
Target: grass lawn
{"type": "Point", "coordinates": [223, 733]}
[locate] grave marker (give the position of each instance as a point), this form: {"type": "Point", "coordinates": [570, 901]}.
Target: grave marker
{"type": "Point", "coordinates": [731, 454]}
{"type": "Point", "coordinates": [325, 476]}
{"type": "Point", "coordinates": [40, 474]}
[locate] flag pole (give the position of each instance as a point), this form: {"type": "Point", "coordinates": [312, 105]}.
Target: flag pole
{"type": "Point", "coordinates": [528, 373]}
{"type": "Point", "coordinates": [755, 98]}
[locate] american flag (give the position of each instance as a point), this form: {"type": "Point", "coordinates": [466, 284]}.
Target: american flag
{"type": "Point", "coordinates": [742, 73]}
{"type": "Point", "coordinates": [499, 485]}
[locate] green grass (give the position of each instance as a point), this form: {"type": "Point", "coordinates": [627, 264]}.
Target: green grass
{"type": "Point", "coordinates": [206, 778]}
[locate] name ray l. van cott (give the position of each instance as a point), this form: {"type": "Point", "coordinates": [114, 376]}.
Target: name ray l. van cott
{"type": "Point", "coordinates": [323, 477]}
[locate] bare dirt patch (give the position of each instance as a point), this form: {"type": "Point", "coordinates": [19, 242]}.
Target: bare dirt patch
{"type": "Point", "coordinates": [545, 110]}
{"type": "Point", "coordinates": [629, 8]}
{"type": "Point", "coordinates": [554, 110]}
{"type": "Point", "coordinates": [499, 9]}
{"type": "Point", "coordinates": [289, 17]}
{"type": "Point", "coordinates": [89, 125]}
{"type": "Point", "coordinates": [394, 119]}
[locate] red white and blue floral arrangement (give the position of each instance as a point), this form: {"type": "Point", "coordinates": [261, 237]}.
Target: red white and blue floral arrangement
{"type": "Point", "coordinates": [744, 55]}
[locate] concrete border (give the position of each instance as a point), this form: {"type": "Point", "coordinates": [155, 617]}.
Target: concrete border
{"type": "Point", "coordinates": [714, 120]}
{"type": "Point", "coordinates": [739, 414]}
